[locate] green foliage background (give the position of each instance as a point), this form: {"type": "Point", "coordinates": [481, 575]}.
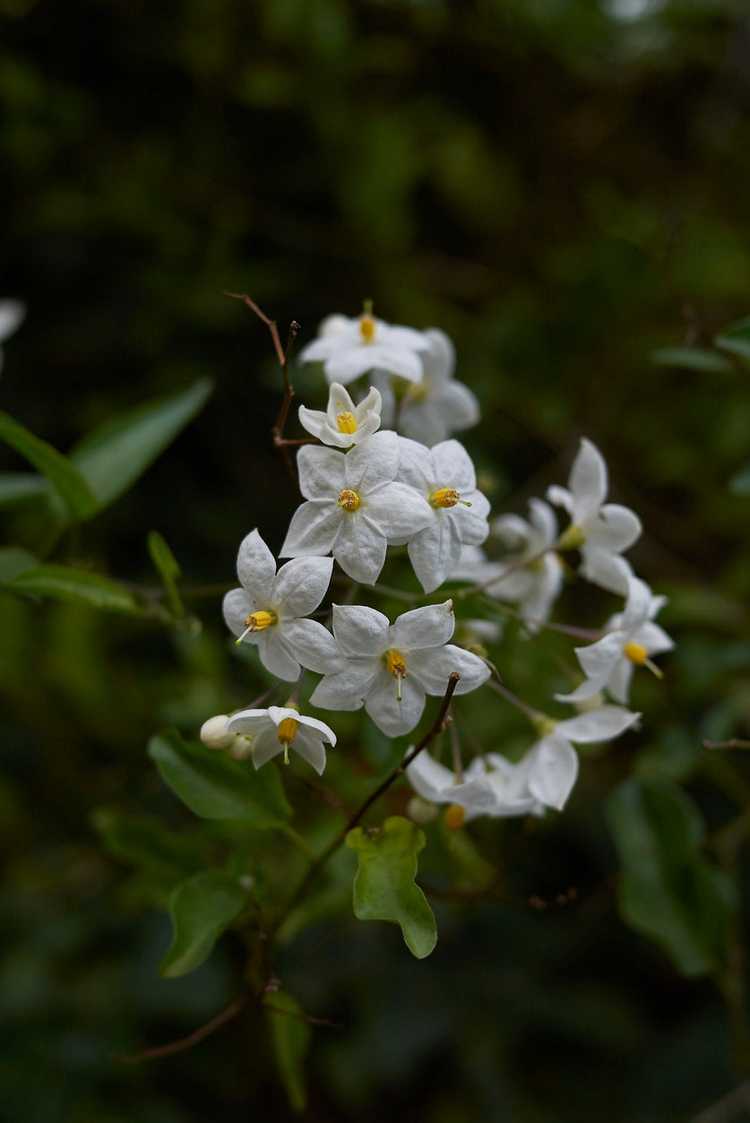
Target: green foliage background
{"type": "Point", "coordinates": [562, 189]}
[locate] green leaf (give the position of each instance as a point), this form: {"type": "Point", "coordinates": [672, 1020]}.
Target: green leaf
{"type": "Point", "coordinates": [384, 887]}
{"type": "Point", "coordinates": [736, 338]}
{"type": "Point", "coordinates": [691, 358]}
{"type": "Point", "coordinates": [112, 457]}
{"type": "Point", "coordinates": [290, 1035]}
{"type": "Point", "coordinates": [668, 889]}
{"type": "Point", "coordinates": [16, 487]}
{"type": "Point", "coordinates": [214, 786]}
{"type": "Point", "coordinates": [14, 560]}
{"type": "Point", "coordinates": [201, 909]}
{"type": "Point", "coordinates": [62, 582]}
{"type": "Point", "coordinates": [144, 842]}
{"type": "Point", "coordinates": [168, 569]}
{"type": "Point", "coordinates": [66, 480]}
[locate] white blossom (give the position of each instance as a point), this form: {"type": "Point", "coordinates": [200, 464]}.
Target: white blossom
{"type": "Point", "coordinates": [474, 565]}
{"type": "Point", "coordinates": [12, 313]}
{"type": "Point", "coordinates": [351, 347]}
{"type": "Point", "coordinates": [536, 573]}
{"type": "Point", "coordinates": [430, 410]}
{"type": "Point", "coordinates": [279, 729]}
{"type": "Point", "coordinates": [601, 530]}
{"type": "Point", "coordinates": [389, 668]}
{"type": "Point", "coordinates": [343, 424]}
{"type": "Point", "coordinates": [354, 508]}
{"type": "Point", "coordinates": [444, 476]}
{"type": "Point", "coordinates": [491, 786]}
{"type": "Point", "coordinates": [268, 609]}
{"type": "Point", "coordinates": [630, 641]}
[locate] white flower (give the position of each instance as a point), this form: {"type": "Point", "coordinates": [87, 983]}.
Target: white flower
{"type": "Point", "coordinates": [390, 668]}
{"type": "Point", "coordinates": [474, 565]}
{"type": "Point", "coordinates": [351, 347]}
{"type": "Point", "coordinates": [343, 424]}
{"type": "Point", "coordinates": [430, 410]}
{"type": "Point", "coordinates": [632, 638]}
{"type": "Point", "coordinates": [491, 786]}
{"type": "Point", "coordinates": [536, 576]}
{"type": "Point", "coordinates": [268, 609]}
{"type": "Point", "coordinates": [12, 313]}
{"type": "Point", "coordinates": [601, 530]}
{"type": "Point", "coordinates": [354, 507]}
{"type": "Point", "coordinates": [279, 729]}
{"type": "Point", "coordinates": [445, 477]}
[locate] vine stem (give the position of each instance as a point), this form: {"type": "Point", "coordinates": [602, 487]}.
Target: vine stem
{"type": "Point", "coordinates": [317, 865]}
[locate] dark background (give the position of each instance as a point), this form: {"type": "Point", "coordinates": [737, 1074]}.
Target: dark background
{"type": "Point", "coordinates": [562, 185]}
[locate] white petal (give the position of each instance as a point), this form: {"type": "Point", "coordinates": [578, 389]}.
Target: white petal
{"type": "Point", "coordinates": [12, 313]}
{"type": "Point", "coordinates": [433, 669]}
{"type": "Point", "coordinates": [431, 626]}
{"type": "Point", "coordinates": [319, 350]}
{"type": "Point", "coordinates": [339, 326]}
{"type": "Point", "coordinates": [312, 420]}
{"type": "Point", "coordinates": [435, 551]}
{"type": "Point", "coordinates": [236, 607]}
{"type": "Point", "coordinates": [415, 466]}
{"type": "Point", "coordinates": [395, 335]}
{"type": "Point", "coordinates": [348, 363]}
{"type": "Point", "coordinates": [588, 482]}
{"type": "Point", "coordinates": [471, 522]}
{"type": "Point", "coordinates": [347, 688]}
{"type": "Point", "coordinates": [561, 497]}
{"type": "Point", "coordinates": [360, 630]}
{"type": "Point", "coordinates": [453, 466]}
{"type": "Point", "coordinates": [300, 585]}
{"type": "Point", "coordinates": [372, 464]}
{"type": "Point", "coordinates": [440, 358]}
{"type": "Point", "coordinates": [654, 639]}
{"type": "Point", "coordinates": [391, 715]}
{"type": "Point", "coordinates": [619, 680]}
{"type": "Point", "coordinates": [360, 547]}
{"type": "Point", "coordinates": [250, 721]}
{"type": "Point", "coordinates": [388, 398]}
{"type": "Point", "coordinates": [370, 404]}
{"type": "Point", "coordinates": [276, 656]}
{"type": "Point", "coordinates": [339, 401]}
{"type": "Point", "coordinates": [543, 520]}
{"type": "Point", "coordinates": [256, 567]}
{"type": "Point", "coordinates": [423, 420]}
{"type": "Point", "coordinates": [429, 778]}
{"type": "Point", "coordinates": [311, 644]}
{"type": "Point", "coordinates": [637, 605]}
{"type": "Point", "coordinates": [597, 659]}
{"type": "Point", "coordinates": [601, 724]}
{"type": "Point", "coordinates": [398, 511]}
{"type": "Point", "coordinates": [553, 772]}
{"type": "Point", "coordinates": [542, 593]}
{"type": "Point", "coordinates": [458, 406]}
{"type": "Point", "coordinates": [616, 529]}
{"type": "Point", "coordinates": [321, 472]}
{"type": "Point", "coordinates": [319, 726]}
{"type": "Point", "coordinates": [608, 571]}
{"type": "Point", "coordinates": [265, 747]}
{"type": "Point", "coordinates": [309, 746]}
{"type": "Point", "coordinates": [313, 529]}
{"type": "Point", "coordinates": [512, 530]}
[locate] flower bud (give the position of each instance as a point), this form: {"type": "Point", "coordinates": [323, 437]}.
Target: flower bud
{"type": "Point", "coordinates": [420, 811]}
{"type": "Point", "coordinates": [214, 733]}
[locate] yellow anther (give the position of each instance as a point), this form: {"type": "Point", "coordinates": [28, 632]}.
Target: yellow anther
{"type": "Point", "coordinates": [636, 653]}
{"type": "Point", "coordinates": [259, 621]}
{"type": "Point", "coordinates": [572, 539]}
{"type": "Point", "coordinates": [287, 730]}
{"type": "Point", "coordinates": [454, 816]}
{"type": "Point", "coordinates": [346, 422]}
{"type": "Point", "coordinates": [367, 328]}
{"type": "Point", "coordinates": [445, 497]}
{"type": "Point", "coordinates": [395, 662]}
{"type": "Point", "coordinates": [349, 500]}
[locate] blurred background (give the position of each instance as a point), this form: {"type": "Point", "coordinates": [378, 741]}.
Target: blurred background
{"type": "Point", "coordinates": [562, 185]}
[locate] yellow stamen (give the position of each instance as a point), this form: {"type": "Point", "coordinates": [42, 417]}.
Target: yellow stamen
{"type": "Point", "coordinates": [395, 664]}
{"type": "Point", "coordinates": [258, 622]}
{"type": "Point", "coordinates": [454, 816]}
{"type": "Point", "coordinates": [287, 730]}
{"type": "Point", "coordinates": [367, 328]}
{"type": "Point", "coordinates": [572, 539]}
{"type": "Point", "coordinates": [636, 653]}
{"type": "Point", "coordinates": [447, 497]}
{"type": "Point", "coordinates": [349, 500]}
{"type": "Point", "coordinates": [346, 422]}
{"type": "Point", "coordinates": [544, 725]}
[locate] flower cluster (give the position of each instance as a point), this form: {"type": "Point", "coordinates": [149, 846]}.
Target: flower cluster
{"type": "Point", "coordinates": [383, 472]}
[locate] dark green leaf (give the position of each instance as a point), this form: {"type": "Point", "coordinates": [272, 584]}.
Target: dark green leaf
{"type": "Point", "coordinates": [214, 786]}
{"type": "Point", "coordinates": [668, 889]}
{"type": "Point", "coordinates": [290, 1035]}
{"type": "Point", "coordinates": [64, 477]}
{"type": "Point", "coordinates": [14, 560]}
{"type": "Point", "coordinates": [691, 358]}
{"type": "Point", "coordinates": [62, 582]}
{"type": "Point", "coordinates": [113, 457]}
{"type": "Point", "coordinates": [168, 569]}
{"type": "Point", "coordinates": [736, 338]}
{"type": "Point", "coordinates": [384, 886]}
{"type": "Point", "coordinates": [16, 487]}
{"type": "Point", "coordinates": [144, 842]}
{"type": "Point", "coordinates": [201, 909]}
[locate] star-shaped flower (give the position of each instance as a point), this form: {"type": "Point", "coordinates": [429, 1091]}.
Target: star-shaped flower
{"type": "Point", "coordinates": [600, 530]}
{"type": "Point", "coordinates": [351, 347]}
{"type": "Point", "coordinates": [536, 576]}
{"type": "Point", "coordinates": [12, 313]}
{"type": "Point", "coordinates": [279, 729]}
{"type": "Point", "coordinates": [343, 424]}
{"type": "Point", "coordinates": [269, 609]}
{"type": "Point", "coordinates": [390, 668]}
{"type": "Point", "coordinates": [354, 508]}
{"type": "Point", "coordinates": [444, 476]}
{"type": "Point", "coordinates": [490, 786]}
{"type": "Point", "coordinates": [430, 410]}
{"type": "Point", "coordinates": [631, 639]}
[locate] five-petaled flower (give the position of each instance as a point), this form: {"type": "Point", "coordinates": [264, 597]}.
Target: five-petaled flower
{"type": "Point", "coordinates": [269, 609]}
{"type": "Point", "coordinates": [343, 424]}
{"type": "Point", "coordinates": [279, 729]}
{"type": "Point", "coordinates": [600, 530]}
{"type": "Point", "coordinates": [354, 508]}
{"type": "Point", "coordinates": [631, 639]}
{"type": "Point", "coordinates": [351, 347]}
{"type": "Point", "coordinates": [389, 668]}
{"type": "Point", "coordinates": [535, 572]}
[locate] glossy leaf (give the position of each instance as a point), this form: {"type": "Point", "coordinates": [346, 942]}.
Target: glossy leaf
{"type": "Point", "coordinates": [62, 582]}
{"type": "Point", "coordinates": [290, 1035]}
{"type": "Point", "coordinates": [112, 457]}
{"type": "Point", "coordinates": [201, 909]}
{"type": "Point", "coordinates": [384, 886]}
{"type": "Point", "coordinates": [736, 338]}
{"type": "Point", "coordinates": [66, 480]}
{"type": "Point", "coordinates": [691, 358]}
{"type": "Point", "coordinates": [214, 786]}
{"type": "Point", "coordinates": [668, 889]}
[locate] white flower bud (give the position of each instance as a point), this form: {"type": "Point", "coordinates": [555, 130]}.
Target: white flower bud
{"type": "Point", "coordinates": [214, 733]}
{"type": "Point", "coordinates": [420, 811]}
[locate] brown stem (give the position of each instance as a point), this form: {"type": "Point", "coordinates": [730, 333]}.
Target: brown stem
{"type": "Point", "coordinates": [198, 1035]}
{"type": "Point", "coordinates": [733, 743]}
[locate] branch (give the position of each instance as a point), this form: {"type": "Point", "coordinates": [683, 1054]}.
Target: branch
{"type": "Point", "coordinates": [734, 743]}
{"type": "Point", "coordinates": [198, 1035]}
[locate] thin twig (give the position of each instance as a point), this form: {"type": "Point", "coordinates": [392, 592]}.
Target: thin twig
{"type": "Point", "coordinates": [501, 689]}
{"type": "Point", "coordinates": [733, 743]}
{"type": "Point", "coordinates": [198, 1035]}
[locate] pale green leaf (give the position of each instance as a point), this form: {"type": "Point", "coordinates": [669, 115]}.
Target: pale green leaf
{"type": "Point", "coordinates": [691, 358]}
